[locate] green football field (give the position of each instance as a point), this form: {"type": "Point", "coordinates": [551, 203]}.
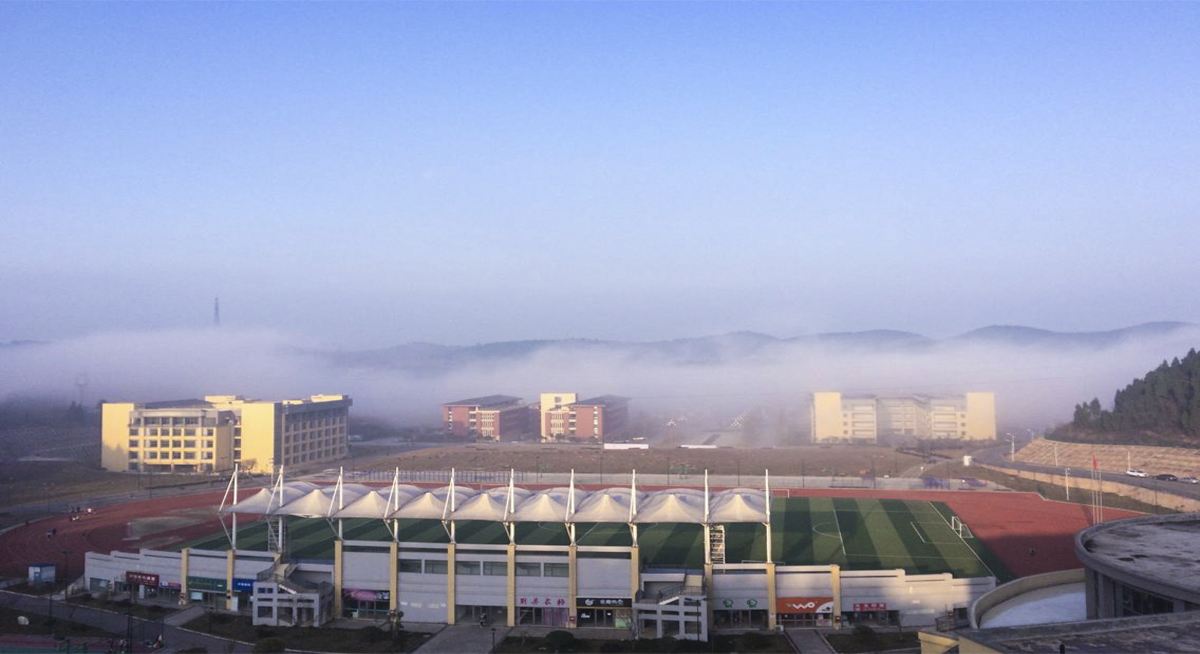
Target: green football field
{"type": "Point", "coordinates": [857, 534]}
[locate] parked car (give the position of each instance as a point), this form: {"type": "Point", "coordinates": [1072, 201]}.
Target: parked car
{"type": "Point", "coordinates": [1134, 472]}
{"type": "Point", "coordinates": [1166, 476]}
{"type": "Point", "coordinates": [1189, 480]}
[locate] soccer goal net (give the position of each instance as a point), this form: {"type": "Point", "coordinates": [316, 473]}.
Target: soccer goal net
{"type": "Point", "coordinates": [960, 528]}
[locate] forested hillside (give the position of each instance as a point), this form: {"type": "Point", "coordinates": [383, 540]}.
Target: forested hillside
{"type": "Point", "coordinates": [1161, 408]}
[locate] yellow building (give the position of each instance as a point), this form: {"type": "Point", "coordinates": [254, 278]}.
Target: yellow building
{"type": "Point", "coordinates": [553, 413]}
{"type": "Point", "coordinates": [212, 434]}
{"type": "Point", "coordinates": [869, 418]}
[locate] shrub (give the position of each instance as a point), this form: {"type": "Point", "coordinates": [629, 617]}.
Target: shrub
{"type": "Point", "coordinates": [194, 650]}
{"type": "Point", "coordinates": [560, 640]}
{"type": "Point", "coordinates": [610, 646]}
{"type": "Point", "coordinates": [270, 645]}
{"type": "Point", "coordinates": [371, 634]}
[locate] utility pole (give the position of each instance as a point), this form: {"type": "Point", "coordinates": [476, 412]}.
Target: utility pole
{"type": "Point", "coordinates": [1067, 483]}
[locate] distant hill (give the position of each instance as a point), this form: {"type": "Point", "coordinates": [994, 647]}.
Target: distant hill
{"type": "Point", "coordinates": [1161, 408]}
{"type": "Point", "coordinates": [1018, 335]}
{"type": "Point", "coordinates": [431, 358]}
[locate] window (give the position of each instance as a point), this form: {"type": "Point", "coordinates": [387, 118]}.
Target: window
{"type": "Point", "coordinates": [133, 455]}
{"type": "Point", "coordinates": [189, 444]}
{"type": "Point", "coordinates": [495, 568]}
{"type": "Point", "coordinates": [467, 567]}
{"type": "Point", "coordinates": [133, 442]}
{"type": "Point", "coordinates": [189, 455]}
{"type": "Point", "coordinates": [410, 565]}
{"type": "Point", "coordinates": [151, 455]}
{"type": "Point", "coordinates": [133, 431]}
{"type": "Point", "coordinates": [435, 567]}
{"type": "Point", "coordinates": [208, 432]}
{"type": "Point", "coordinates": [529, 569]}
{"type": "Point", "coordinates": [557, 570]}
{"type": "Point", "coordinates": [151, 443]}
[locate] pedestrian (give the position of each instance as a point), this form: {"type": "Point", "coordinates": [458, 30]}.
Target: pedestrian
{"type": "Point", "coordinates": [1032, 551]}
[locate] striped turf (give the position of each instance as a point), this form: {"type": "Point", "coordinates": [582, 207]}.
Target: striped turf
{"type": "Point", "coordinates": [855, 533]}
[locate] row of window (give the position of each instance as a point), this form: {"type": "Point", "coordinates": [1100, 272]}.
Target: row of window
{"type": "Point", "coordinates": [176, 431]}
{"type": "Point", "coordinates": [171, 455]}
{"type": "Point", "coordinates": [485, 568]}
{"type": "Point", "coordinates": [134, 443]}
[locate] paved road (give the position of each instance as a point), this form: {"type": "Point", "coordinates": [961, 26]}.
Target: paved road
{"type": "Point", "coordinates": [998, 456]}
{"type": "Point", "coordinates": [174, 638]}
{"type": "Point", "coordinates": [464, 639]}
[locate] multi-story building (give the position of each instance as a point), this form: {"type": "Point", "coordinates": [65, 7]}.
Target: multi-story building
{"type": "Point", "coordinates": [549, 403]}
{"type": "Point", "coordinates": [213, 434]}
{"type": "Point", "coordinates": [595, 418]}
{"type": "Point", "coordinates": [498, 417]}
{"type": "Point", "coordinates": [869, 418]}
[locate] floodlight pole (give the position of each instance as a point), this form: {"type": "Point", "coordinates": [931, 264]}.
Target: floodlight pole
{"type": "Point", "coordinates": [767, 494]}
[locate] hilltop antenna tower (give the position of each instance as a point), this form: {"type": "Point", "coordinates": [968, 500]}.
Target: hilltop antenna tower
{"type": "Point", "coordinates": [216, 312]}
{"type": "Point", "coordinates": [81, 384]}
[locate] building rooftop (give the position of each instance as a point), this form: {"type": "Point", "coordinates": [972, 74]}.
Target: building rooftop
{"type": "Point", "coordinates": [1159, 549]}
{"type": "Point", "coordinates": [1173, 632]}
{"type": "Point", "coordinates": [487, 401]}
{"type": "Point", "coordinates": [603, 400]}
{"type": "Point", "coordinates": [178, 404]}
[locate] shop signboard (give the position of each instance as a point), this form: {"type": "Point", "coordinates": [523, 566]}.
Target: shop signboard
{"type": "Point", "coordinates": [365, 595]}
{"type": "Point", "coordinates": [797, 605]}
{"type": "Point", "coordinates": [870, 606]}
{"type": "Point", "coordinates": [141, 579]}
{"type": "Point", "coordinates": [206, 583]}
{"type": "Point", "coordinates": [603, 602]}
{"type": "Point", "coordinates": [243, 585]}
{"type": "Point", "coordinates": [731, 604]}
{"type": "Point", "coordinates": [542, 601]}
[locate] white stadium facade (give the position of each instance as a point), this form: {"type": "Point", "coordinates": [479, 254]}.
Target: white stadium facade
{"type": "Point", "coordinates": [562, 557]}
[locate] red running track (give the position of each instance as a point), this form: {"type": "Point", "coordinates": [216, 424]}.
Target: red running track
{"type": "Point", "coordinates": [1008, 523]}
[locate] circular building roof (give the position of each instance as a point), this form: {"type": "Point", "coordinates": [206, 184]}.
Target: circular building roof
{"type": "Point", "coordinates": [1159, 553]}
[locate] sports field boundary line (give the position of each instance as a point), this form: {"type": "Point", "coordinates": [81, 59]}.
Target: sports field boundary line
{"type": "Point", "coordinates": [837, 523]}
{"type": "Point", "coordinates": [919, 534]}
{"type": "Point", "coordinates": [963, 541]}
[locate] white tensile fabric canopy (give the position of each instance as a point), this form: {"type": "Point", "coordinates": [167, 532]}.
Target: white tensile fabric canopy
{"type": "Point", "coordinates": [267, 501]}
{"type": "Point", "coordinates": [507, 504]}
{"type": "Point", "coordinates": [548, 505]}
{"type": "Point", "coordinates": [738, 505]}
{"type": "Point", "coordinates": [675, 505]}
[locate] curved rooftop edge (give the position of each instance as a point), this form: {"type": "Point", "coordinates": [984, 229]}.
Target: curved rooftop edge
{"type": "Point", "coordinates": [1155, 553]}
{"type": "Point", "coordinates": [1013, 590]}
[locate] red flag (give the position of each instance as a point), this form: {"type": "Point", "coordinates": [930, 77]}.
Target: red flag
{"type": "Point", "coordinates": [1095, 466]}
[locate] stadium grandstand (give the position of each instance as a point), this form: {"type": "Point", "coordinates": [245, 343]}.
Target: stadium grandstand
{"type": "Point", "coordinates": [653, 561]}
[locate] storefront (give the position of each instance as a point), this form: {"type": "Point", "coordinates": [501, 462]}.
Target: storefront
{"type": "Point", "coordinates": [740, 613]}
{"type": "Point", "coordinates": [207, 591]}
{"type": "Point", "coordinates": [605, 612]}
{"type": "Point", "coordinates": [804, 611]}
{"type": "Point", "coordinates": [481, 614]}
{"type": "Point", "coordinates": [142, 585]}
{"type": "Point", "coordinates": [362, 604]}
{"type": "Point", "coordinates": [541, 610]}
{"type": "Point", "coordinates": [875, 613]}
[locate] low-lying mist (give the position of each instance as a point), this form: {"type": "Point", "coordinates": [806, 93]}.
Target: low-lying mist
{"type": "Point", "coordinates": [1036, 385]}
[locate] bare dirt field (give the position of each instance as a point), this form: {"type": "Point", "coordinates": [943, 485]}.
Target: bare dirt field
{"type": "Point", "coordinates": [24, 482]}
{"type": "Point", "coordinates": [820, 461]}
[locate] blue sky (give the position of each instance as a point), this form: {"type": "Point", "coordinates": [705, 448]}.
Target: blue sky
{"type": "Point", "coordinates": [377, 173]}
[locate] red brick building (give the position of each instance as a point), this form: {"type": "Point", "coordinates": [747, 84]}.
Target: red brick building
{"type": "Point", "coordinates": [595, 418]}
{"type": "Point", "coordinates": [498, 417]}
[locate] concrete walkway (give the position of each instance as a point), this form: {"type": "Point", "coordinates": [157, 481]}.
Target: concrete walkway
{"type": "Point", "coordinates": [464, 639]}
{"type": "Point", "coordinates": [809, 641]}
